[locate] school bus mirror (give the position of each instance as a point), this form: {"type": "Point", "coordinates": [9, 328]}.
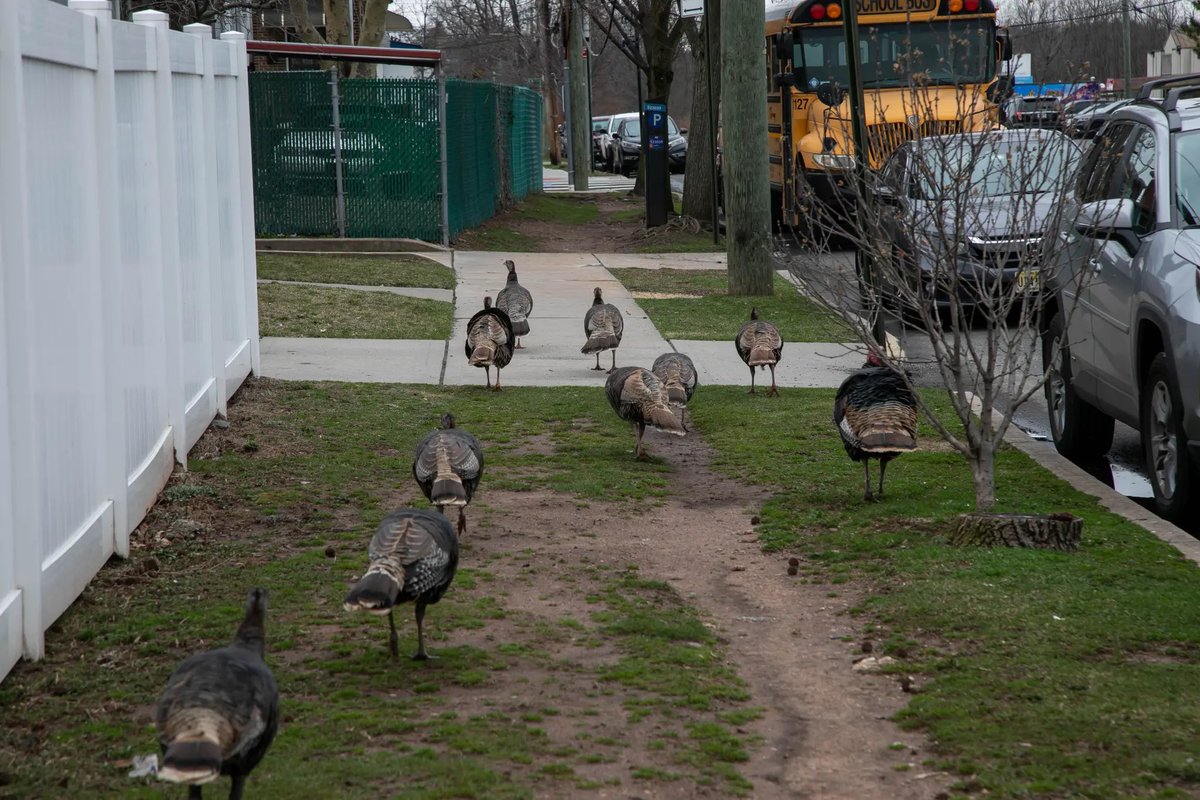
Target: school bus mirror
{"type": "Point", "coordinates": [830, 93]}
{"type": "Point", "coordinates": [784, 46]}
{"type": "Point", "coordinates": [1005, 49]}
{"type": "Point", "coordinates": [785, 79]}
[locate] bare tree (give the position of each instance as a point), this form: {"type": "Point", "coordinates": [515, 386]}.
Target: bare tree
{"type": "Point", "coordinates": [208, 12]}
{"type": "Point", "coordinates": [747, 184]}
{"type": "Point", "coordinates": [960, 233]}
{"type": "Point", "coordinates": [700, 180]}
{"type": "Point", "coordinates": [337, 27]}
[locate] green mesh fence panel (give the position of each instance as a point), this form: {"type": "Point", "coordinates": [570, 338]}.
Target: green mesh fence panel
{"type": "Point", "coordinates": [391, 168]}
{"type": "Point", "coordinates": [471, 144]}
{"type": "Point", "coordinates": [390, 154]}
{"type": "Point", "coordinates": [291, 139]}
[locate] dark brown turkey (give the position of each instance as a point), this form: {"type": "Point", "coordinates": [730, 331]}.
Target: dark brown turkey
{"type": "Point", "coordinates": [516, 301]}
{"type": "Point", "coordinates": [220, 710]}
{"type": "Point", "coordinates": [760, 345]}
{"type": "Point", "coordinates": [876, 415]}
{"type": "Point", "coordinates": [678, 374]}
{"type": "Point", "coordinates": [490, 341]}
{"type": "Point", "coordinates": [604, 327]}
{"type": "Point", "coordinates": [639, 397]}
{"type": "Point", "coordinates": [413, 556]}
{"type": "Point", "coordinates": [448, 466]}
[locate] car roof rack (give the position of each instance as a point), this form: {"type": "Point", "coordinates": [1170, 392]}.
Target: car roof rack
{"type": "Point", "coordinates": [1149, 87]}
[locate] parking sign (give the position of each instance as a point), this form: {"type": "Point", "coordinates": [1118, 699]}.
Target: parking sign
{"type": "Point", "coordinates": [690, 8]}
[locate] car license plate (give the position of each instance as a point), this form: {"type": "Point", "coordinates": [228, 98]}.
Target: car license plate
{"type": "Point", "coordinates": [1028, 280]}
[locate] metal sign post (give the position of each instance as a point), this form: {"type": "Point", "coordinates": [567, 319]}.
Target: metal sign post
{"type": "Point", "coordinates": [654, 151]}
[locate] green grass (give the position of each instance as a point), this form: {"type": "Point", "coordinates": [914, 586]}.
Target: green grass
{"type": "Point", "coordinates": [564, 208]}
{"type": "Point", "coordinates": [1046, 674]}
{"type": "Point", "coordinates": [312, 311]}
{"type": "Point", "coordinates": [328, 461]}
{"type": "Point", "coordinates": [713, 315]}
{"type": "Point", "coordinates": [383, 270]}
{"type": "Point", "coordinates": [498, 239]}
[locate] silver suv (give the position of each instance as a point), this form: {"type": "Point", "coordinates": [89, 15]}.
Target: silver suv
{"type": "Point", "coordinates": [1122, 338]}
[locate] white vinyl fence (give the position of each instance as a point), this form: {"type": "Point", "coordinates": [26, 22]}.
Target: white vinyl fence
{"type": "Point", "coordinates": [128, 309]}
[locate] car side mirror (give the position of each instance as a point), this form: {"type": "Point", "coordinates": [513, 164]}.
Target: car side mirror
{"type": "Point", "coordinates": [830, 93]}
{"type": "Point", "coordinates": [683, 131]}
{"type": "Point", "coordinates": [1109, 219]}
{"type": "Point", "coordinates": [885, 194]}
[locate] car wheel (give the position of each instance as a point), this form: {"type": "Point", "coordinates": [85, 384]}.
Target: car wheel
{"type": "Point", "coordinates": [1168, 464]}
{"type": "Point", "coordinates": [1079, 429]}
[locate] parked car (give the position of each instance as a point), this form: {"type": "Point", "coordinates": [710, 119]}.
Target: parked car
{"type": "Point", "coordinates": [599, 129]}
{"type": "Point", "coordinates": [1122, 338]}
{"type": "Point", "coordinates": [992, 230]}
{"type": "Point", "coordinates": [308, 158]}
{"type": "Point", "coordinates": [1087, 123]}
{"type": "Point", "coordinates": [1033, 112]}
{"type": "Point", "coordinates": [625, 144]}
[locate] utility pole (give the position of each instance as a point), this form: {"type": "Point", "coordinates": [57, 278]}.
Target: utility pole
{"type": "Point", "coordinates": [1128, 48]}
{"type": "Point", "coordinates": [581, 127]}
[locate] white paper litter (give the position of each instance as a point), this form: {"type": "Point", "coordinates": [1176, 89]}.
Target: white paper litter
{"type": "Point", "coordinates": [144, 765]}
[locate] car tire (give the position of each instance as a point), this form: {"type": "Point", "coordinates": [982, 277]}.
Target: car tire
{"type": "Point", "coordinates": [1169, 465]}
{"type": "Point", "coordinates": [1079, 429]}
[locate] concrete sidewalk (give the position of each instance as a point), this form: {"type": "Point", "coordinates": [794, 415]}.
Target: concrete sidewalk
{"type": "Point", "coordinates": [561, 285]}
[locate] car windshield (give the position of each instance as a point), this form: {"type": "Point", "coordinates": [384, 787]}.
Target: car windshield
{"type": "Point", "coordinates": [892, 55]}
{"type": "Point", "coordinates": [994, 167]}
{"type": "Point", "coordinates": [599, 124]}
{"type": "Point", "coordinates": [1187, 177]}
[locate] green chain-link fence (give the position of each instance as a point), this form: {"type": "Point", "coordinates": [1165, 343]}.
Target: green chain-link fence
{"type": "Point", "coordinates": [390, 154]}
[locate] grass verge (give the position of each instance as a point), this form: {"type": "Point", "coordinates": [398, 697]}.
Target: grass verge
{"type": "Point", "coordinates": [286, 497]}
{"type": "Point", "coordinates": [1039, 674]}
{"type": "Point", "coordinates": [713, 315]}
{"type": "Point", "coordinates": [382, 270]}
{"type": "Point", "coordinates": [312, 311]}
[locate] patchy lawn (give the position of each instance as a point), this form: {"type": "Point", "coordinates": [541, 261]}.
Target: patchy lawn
{"type": "Point", "coordinates": [379, 270]}
{"type": "Point", "coordinates": [313, 311]}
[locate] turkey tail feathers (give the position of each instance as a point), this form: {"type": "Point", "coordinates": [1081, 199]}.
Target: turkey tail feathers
{"type": "Point", "coordinates": [448, 491]}
{"type": "Point", "coordinates": [599, 341]}
{"type": "Point", "coordinates": [195, 761]}
{"type": "Point", "coordinates": [485, 353]}
{"type": "Point", "coordinates": [761, 355]}
{"type": "Point", "coordinates": [521, 326]}
{"type": "Point", "coordinates": [887, 442]}
{"type": "Point", "coordinates": [375, 592]}
{"type": "Point", "coordinates": [676, 395]}
{"type": "Point", "coordinates": [665, 421]}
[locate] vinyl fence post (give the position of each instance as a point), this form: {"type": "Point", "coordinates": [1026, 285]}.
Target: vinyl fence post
{"type": "Point", "coordinates": [246, 184]}
{"type": "Point", "coordinates": [209, 199]}
{"type": "Point", "coordinates": [108, 225]}
{"type": "Point", "coordinates": [168, 223]}
{"type": "Point", "coordinates": [14, 253]}
{"type": "Point", "coordinates": [338, 178]}
{"type": "Point", "coordinates": [444, 170]}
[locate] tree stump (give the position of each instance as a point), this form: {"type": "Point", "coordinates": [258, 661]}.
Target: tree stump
{"type": "Point", "coordinates": [1046, 532]}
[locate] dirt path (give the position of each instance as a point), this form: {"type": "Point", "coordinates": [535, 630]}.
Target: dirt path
{"type": "Point", "coordinates": [825, 731]}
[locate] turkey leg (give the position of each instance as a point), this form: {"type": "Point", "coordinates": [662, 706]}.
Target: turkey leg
{"type": "Point", "coordinates": [462, 520]}
{"type": "Point", "coordinates": [518, 345]}
{"type": "Point", "coordinates": [487, 371]}
{"type": "Point", "coordinates": [597, 368]}
{"type": "Point", "coordinates": [637, 450]}
{"type": "Point", "coordinates": [421, 654]}
{"type": "Point", "coordinates": [237, 787]}
{"type": "Point", "coordinates": [194, 793]}
{"type": "Point", "coordinates": [774, 389]}
{"type": "Point", "coordinates": [393, 638]}
{"type": "Point", "coordinates": [867, 480]}
{"type": "Point", "coordinates": [882, 467]}
{"type": "Point", "coordinates": [614, 366]}
{"type": "Point", "coordinates": [752, 380]}
{"type": "Point", "coordinates": [496, 388]}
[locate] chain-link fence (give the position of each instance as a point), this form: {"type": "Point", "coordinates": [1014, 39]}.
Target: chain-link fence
{"type": "Point", "coordinates": [385, 178]}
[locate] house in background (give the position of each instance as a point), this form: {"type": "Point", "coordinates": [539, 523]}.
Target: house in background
{"type": "Point", "coordinates": [1177, 57]}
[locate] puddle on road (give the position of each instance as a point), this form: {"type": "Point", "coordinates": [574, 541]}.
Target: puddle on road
{"type": "Point", "coordinates": [1124, 478]}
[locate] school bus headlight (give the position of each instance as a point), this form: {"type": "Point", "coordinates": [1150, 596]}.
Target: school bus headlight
{"type": "Point", "coordinates": [831, 161]}
{"type": "Point", "coordinates": [833, 11]}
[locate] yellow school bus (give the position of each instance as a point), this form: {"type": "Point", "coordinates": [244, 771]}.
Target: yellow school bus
{"type": "Point", "coordinates": [925, 65]}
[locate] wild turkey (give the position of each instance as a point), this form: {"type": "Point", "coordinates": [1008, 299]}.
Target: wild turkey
{"type": "Point", "coordinates": [413, 556]}
{"type": "Point", "coordinates": [760, 345]}
{"type": "Point", "coordinates": [490, 341]}
{"type": "Point", "coordinates": [638, 396]}
{"type": "Point", "coordinates": [220, 710]}
{"type": "Point", "coordinates": [516, 301]}
{"type": "Point", "coordinates": [876, 415]}
{"type": "Point", "coordinates": [678, 374]}
{"type": "Point", "coordinates": [604, 327]}
{"type": "Point", "coordinates": [448, 466]}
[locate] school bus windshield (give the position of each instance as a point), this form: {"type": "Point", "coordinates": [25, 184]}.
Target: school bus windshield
{"type": "Point", "coordinates": [942, 52]}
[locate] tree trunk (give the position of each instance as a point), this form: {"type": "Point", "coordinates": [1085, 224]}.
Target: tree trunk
{"type": "Point", "coordinates": [983, 467]}
{"type": "Point", "coordinates": [747, 187]}
{"type": "Point", "coordinates": [699, 179]}
{"type": "Point", "coordinates": [371, 34]}
{"type": "Point", "coordinates": [1052, 532]}
{"type": "Point", "coordinates": [581, 126]}
{"type": "Point", "coordinates": [550, 99]}
{"type": "Point", "coordinates": [337, 21]}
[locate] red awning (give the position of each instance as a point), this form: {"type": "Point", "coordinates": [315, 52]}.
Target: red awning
{"type": "Point", "coordinates": [340, 52]}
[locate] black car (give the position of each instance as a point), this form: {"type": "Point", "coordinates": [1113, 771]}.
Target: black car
{"type": "Point", "coordinates": [625, 147]}
{"type": "Point", "coordinates": [1087, 123]}
{"type": "Point", "coordinates": [1034, 112]}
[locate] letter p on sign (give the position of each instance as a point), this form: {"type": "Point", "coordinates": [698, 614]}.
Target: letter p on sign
{"type": "Point", "coordinates": [690, 8]}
